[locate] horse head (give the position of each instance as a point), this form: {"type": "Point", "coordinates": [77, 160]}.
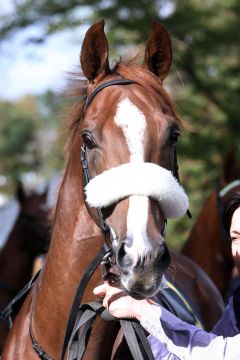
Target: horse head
{"type": "Point", "coordinates": [129, 131]}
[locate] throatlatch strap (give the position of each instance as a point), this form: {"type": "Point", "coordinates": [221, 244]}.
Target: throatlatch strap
{"type": "Point", "coordinates": [132, 330]}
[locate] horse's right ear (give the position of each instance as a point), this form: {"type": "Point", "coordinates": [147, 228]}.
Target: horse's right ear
{"type": "Point", "coordinates": [94, 53]}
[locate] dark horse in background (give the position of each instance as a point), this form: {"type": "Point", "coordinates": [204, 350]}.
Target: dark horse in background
{"type": "Point", "coordinates": [28, 238]}
{"type": "Point", "coordinates": [208, 244]}
{"type": "Point", "coordinates": [125, 133]}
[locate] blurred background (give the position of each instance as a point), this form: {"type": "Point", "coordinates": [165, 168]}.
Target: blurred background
{"type": "Point", "coordinates": [40, 42]}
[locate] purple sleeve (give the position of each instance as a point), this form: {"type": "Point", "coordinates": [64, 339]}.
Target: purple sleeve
{"type": "Point", "coordinates": [229, 323]}
{"type": "Point", "coordinates": [173, 339]}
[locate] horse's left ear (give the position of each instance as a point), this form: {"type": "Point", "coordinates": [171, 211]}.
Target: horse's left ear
{"type": "Point", "coordinates": [158, 51]}
{"type": "Point", "coordinates": [94, 53]}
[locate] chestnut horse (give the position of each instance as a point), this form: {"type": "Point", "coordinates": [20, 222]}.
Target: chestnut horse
{"type": "Point", "coordinates": [28, 238]}
{"type": "Point", "coordinates": [123, 140]}
{"type": "Point", "coordinates": [208, 244]}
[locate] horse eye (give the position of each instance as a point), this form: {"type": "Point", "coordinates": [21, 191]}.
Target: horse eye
{"type": "Point", "coordinates": [88, 141]}
{"type": "Point", "coordinates": [174, 135]}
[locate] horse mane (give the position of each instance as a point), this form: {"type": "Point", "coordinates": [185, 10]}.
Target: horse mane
{"type": "Point", "coordinates": [128, 69]}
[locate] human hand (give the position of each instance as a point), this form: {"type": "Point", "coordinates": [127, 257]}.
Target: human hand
{"type": "Point", "coordinates": [119, 304]}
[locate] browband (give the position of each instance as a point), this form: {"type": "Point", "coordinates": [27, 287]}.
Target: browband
{"type": "Point", "coordinates": [103, 86]}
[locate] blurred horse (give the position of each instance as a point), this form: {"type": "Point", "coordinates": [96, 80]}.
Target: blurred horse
{"type": "Point", "coordinates": [122, 152]}
{"type": "Point", "coordinates": [26, 236]}
{"type": "Point", "coordinates": [208, 243]}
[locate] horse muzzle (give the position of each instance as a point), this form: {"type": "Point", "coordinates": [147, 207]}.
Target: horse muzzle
{"type": "Point", "coordinates": [142, 278]}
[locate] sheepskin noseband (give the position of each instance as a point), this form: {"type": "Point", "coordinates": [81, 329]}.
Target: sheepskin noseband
{"type": "Point", "coordinates": [140, 178]}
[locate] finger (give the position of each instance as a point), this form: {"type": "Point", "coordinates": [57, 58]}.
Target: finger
{"type": "Point", "coordinates": [111, 289]}
{"type": "Point", "coordinates": [114, 296]}
{"type": "Point", "coordinates": [100, 290]}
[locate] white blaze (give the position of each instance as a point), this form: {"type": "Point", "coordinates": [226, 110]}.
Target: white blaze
{"type": "Point", "coordinates": [133, 124]}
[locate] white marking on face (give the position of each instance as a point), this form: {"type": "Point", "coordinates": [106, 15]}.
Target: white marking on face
{"type": "Point", "coordinates": [137, 239]}
{"type": "Point", "coordinates": [132, 121]}
{"type": "Point", "coordinates": [133, 124]}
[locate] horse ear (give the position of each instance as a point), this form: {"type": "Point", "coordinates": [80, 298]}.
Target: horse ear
{"type": "Point", "coordinates": [94, 54]}
{"type": "Point", "coordinates": [20, 193]}
{"type": "Point", "coordinates": [158, 51]}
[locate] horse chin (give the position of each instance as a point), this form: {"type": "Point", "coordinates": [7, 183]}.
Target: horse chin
{"type": "Point", "coordinates": [141, 290]}
{"type": "Point", "coordinates": [136, 296]}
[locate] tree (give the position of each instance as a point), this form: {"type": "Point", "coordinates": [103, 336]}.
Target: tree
{"type": "Point", "coordinates": [29, 132]}
{"type": "Point", "coordinates": [17, 140]}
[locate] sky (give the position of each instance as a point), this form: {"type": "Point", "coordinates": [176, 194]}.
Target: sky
{"type": "Point", "coordinates": [28, 68]}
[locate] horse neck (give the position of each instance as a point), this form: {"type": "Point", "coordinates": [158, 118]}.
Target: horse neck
{"type": "Point", "coordinates": [74, 243]}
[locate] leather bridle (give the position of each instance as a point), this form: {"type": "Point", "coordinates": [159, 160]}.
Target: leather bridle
{"type": "Point", "coordinates": [104, 255]}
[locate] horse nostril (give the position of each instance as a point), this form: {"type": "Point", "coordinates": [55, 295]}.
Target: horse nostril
{"type": "Point", "coordinates": [122, 258]}
{"type": "Point", "coordinates": [164, 257]}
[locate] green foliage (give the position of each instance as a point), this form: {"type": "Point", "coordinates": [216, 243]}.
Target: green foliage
{"type": "Point", "coordinates": [53, 109]}
{"type": "Point", "coordinates": [29, 136]}
{"type": "Point", "coordinates": [16, 140]}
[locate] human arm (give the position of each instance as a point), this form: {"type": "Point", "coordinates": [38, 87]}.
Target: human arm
{"type": "Point", "coordinates": [181, 340]}
{"type": "Point", "coordinates": [229, 323]}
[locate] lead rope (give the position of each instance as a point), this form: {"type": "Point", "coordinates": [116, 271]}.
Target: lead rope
{"type": "Point", "coordinates": [132, 330]}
